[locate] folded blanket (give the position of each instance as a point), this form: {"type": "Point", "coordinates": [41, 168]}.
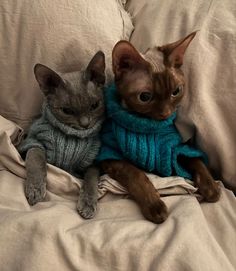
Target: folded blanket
{"type": "Point", "coordinates": [52, 236]}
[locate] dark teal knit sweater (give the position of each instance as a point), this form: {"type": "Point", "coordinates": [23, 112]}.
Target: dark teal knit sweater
{"type": "Point", "coordinates": [149, 144]}
{"type": "Point", "coordinates": [68, 148]}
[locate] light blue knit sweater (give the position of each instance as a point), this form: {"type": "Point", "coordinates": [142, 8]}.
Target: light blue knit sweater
{"type": "Point", "coordinates": [154, 146]}
{"type": "Point", "coordinates": [68, 148]}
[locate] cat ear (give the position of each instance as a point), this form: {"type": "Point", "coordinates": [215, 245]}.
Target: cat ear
{"type": "Point", "coordinates": [95, 70]}
{"type": "Point", "coordinates": [48, 79]}
{"type": "Point", "coordinates": [125, 58]}
{"type": "Point", "coordinates": [174, 52]}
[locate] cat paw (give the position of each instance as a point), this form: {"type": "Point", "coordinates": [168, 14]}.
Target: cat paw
{"type": "Point", "coordinates": [156, 212]}
{"type": "Point", "coordinates": [208, 188]}
{"type": "Point", "coordinates": [87, 205]}
{"type": "Point", "coordinates": [35, 192]}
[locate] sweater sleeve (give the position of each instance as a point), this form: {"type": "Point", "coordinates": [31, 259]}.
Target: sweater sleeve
{"type": "Point", "coordinates": [32, 140]}
{"type": "Point", "coordinates": [186, 151]}
{"type": "Point", "coordinates": [109, 148]}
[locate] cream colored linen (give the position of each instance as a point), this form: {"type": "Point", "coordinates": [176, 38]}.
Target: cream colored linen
{"type": "Point", "coordinates": [210, 68]}
{"type": "Point", "coordinates": [52, 236]}
{"type": "Point", "coordinates": [61, 34]}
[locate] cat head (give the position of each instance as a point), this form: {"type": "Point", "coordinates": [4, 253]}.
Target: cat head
{"type": "Point", "coordinates": [153, 84]}
{"type": "Point", "coordinates": [75, 99]}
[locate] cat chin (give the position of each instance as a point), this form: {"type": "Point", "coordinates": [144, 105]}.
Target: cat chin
{"type": "Point", "coordinates": [80, 127]}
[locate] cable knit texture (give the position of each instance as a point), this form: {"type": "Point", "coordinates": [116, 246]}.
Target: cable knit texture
{"type": "Point", "coordinates": [151, 145]}
{"type": "Point", "coordinates": [68, 148]}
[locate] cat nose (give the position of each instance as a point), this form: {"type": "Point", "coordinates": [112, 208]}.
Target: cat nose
{"type": "Point", "coordinates": [84, 122]}
{"type": "Point", "coordinates": [165, 115]}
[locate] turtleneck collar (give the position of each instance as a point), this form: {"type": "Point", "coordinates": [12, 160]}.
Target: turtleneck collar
{"type": "Point", "coordinates": [92, 131]}
{"type": "Point", "coordinates": [132, 121]}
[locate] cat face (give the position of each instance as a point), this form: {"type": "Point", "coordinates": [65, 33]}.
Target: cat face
{"type": "Point", "coordinates": [152, 85]}
{"type": "Point", "coordinates": [75, 99]}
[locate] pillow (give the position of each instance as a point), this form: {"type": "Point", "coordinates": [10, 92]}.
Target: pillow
{"type": "Point", "coordinates": [63, 35]}
{"type": "Point", "coordinates": [209, 110]}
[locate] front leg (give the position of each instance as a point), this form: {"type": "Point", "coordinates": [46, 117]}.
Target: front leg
{"type": "Point", "coordinates": [139, 187]}
{"type": "Point", "coordinates": [36, 173]}
{"type": "Point", "coordinates": [203, 179]}
{"type": "Point", "coordinates": [87, 203]}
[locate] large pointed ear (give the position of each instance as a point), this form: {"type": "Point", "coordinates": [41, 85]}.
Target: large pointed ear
{"type": "Point", "coordinates": [48, 79]}
{"type": "Point", "coordinates": [126, 58]}
{"type": "Point", "coordinates": [95, 70]}
{"type": "Point", "coordinates": [174, 52]}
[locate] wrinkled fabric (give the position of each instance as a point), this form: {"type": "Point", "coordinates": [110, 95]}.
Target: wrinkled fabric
{"type": "Point", "coordinates": [52, 236]}
{"type": "Point", "coordinates": [61, 34]}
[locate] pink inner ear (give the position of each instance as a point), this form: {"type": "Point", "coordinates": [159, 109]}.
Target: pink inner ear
{"type": "Point", "coordinates": [97, 63]}
{"type": "Point", "coordinates": [176, 57]}
{"type": "Point", "coordinates": [125, 57]}
{"type": "Point", "coordinates": [125, 62]}
{"type": "Point", "coordinates": [52, 80]}
{"type": "Point", "coordinates": [174, 52]}
{"type": "Point", "coordinates": [178, 53]}
{"type": "Point", "coordinates": [46, 77]}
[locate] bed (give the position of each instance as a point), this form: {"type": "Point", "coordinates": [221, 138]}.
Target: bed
{"type": "Point", "coordinates": [64, 35]}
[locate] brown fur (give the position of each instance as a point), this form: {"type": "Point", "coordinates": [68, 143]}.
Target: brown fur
{"type": "Point", "coordinates": [136, 77]}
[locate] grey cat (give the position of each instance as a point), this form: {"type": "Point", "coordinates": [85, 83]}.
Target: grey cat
{"type": "Point", "coordinates": [67, 133]}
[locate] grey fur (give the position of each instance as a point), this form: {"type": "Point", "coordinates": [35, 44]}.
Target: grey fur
{"type": "Point", "coordinates": [87, 203]}
{"type": "Point", "coordinates": [36, 172]}
{"type": "Point", "coordinates": [75, 99]}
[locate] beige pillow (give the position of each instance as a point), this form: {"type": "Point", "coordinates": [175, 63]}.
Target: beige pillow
{"type": "Point", "coordinates": [61, 34]}
{"type": "Point", "coordinates": [209, 65]}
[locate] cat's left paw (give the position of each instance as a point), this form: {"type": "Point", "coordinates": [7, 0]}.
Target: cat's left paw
{"type": "Point", "coordinates": [87, 205]}
{"type": "Point", "coordinates": [208, 188]}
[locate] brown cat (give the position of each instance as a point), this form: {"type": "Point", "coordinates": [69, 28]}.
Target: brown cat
{"type": "Point", "coordinates": [149, 90]}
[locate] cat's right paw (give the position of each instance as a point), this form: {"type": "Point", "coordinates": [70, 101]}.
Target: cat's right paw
{"type": "Point", "coordinates": [87, 211]}
{"type": "Point", "coordinates": [87, 205]}
{"type": "Point", "coordinates": [35, 192]}
{"type": "Point", "coordinates": [208, 188]}
{"type": "Point", "coordinates": [156, 212]}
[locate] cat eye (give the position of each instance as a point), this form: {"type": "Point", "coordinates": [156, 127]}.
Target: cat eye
{"type": "Point", "coordinates": [95, 105]}
{"type": "Point", "coordinates": [68, 111]}
{"type": "Point", "coordinates": [177, 91]}
{"type": "Point", "coordinates": [145, 96]}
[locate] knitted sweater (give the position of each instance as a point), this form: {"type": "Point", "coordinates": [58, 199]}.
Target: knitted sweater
{"type": "Point", "coordinates": [68, 148]}
{"type": "Point", "coordinates": [149, 144]}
